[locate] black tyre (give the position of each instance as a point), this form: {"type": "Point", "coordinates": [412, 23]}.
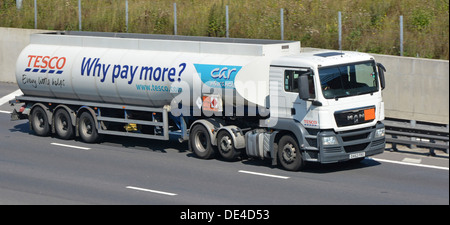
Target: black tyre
{"type": "Point", "coordinates": [39, 121]}
{"type": "Point", "coordinates": [201, 142]}
{"type": "Point", "coordinates": [225, 146]}
{"type": "Point", "coordinates": [289, 154]}
{"type": "Point", "coordinates": [63, 124]}
{"type": "Point", "coordinates": [87, 129]}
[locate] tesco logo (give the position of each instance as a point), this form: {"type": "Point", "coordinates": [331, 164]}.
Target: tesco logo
{"type": "Point", "coordinates": [42, 64]}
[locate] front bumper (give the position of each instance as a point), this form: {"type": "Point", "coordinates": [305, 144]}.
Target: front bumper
{"type": "Point", "coordinates": [350, 145]}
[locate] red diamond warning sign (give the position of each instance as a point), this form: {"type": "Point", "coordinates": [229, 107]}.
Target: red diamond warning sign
{"type": "Point", "coordinates": [212, 103]}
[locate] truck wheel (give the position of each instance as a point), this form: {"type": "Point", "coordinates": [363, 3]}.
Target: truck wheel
{"type": "Point", "coordinates": [63, 124]}
{"type": "Point", "coordinates": [201, 142]}
{"type": "Point", "coordinates": [289, 154]}
{"type": "Point", "coordinates": [87, 129]}
{"type": "Point", "coordinates": [226, 146]}
{"type": "Point", "coordinates": [39, 121]}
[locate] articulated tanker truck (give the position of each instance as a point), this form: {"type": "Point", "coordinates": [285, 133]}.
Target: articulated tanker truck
{"type": "Point", "coordinates": [227, 97]}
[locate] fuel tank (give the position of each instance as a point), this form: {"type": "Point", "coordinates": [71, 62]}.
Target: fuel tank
{"type": "Point", "coordinates": [147, 70]}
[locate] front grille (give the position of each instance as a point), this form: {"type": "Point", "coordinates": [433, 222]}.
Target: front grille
{"type": "Point", "coordinates": [332, 149]}
{"type": "Point", "coordinates": [355, 137]}
{"type": "Point", "coordinates": [378, 142]}
{"type": "Point", "coordinates": [312, 142]}
{"type": "Point", "coordinates": [356, 148]}
{"type": "Point", "coordinates": [354, 116]}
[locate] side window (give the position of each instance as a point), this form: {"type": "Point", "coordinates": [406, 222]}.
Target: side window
{"type": "Point", "coordinates": [291, 81]}
{"type": "Point", "coordinates": [312, 90]}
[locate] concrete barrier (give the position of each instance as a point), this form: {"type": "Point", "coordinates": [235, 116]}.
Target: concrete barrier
{"type": "Point", "coordinates": [416, 89]}
{"type": "Point", "coordinates": [12, 41]}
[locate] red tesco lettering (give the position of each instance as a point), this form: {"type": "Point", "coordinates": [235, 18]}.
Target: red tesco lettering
{"type": "Point", "coordinates": [314, 122]}
{"type": "Point", "coordinates": [46, 62]}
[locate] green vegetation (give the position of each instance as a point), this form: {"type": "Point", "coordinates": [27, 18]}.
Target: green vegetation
{"type": "Point", "coordinates": [368, 25]}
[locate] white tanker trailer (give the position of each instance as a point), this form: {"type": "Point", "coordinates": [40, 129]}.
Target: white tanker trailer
{"type": "Point", "coordinates": [226, 96]}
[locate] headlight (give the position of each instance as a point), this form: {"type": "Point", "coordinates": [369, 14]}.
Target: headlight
{"type": "Point", "coordinates": [332, 140]}
{"type": "Point", "coordinates": [379, 133]}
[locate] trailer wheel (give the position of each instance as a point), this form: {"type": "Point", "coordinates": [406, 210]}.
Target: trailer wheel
{"type": "Point", "coordinates": [39, 121]}
{"type": "Point", "coordinates": [87, 129]}
{"type": "Point", "coordinates": [201, 142]}
{"type": "Point", "coordinates": [226, 146]}
{"type": "Point", "coordinates": [289, 154]}
{"type": "Point", "coordinates": [63, 124]}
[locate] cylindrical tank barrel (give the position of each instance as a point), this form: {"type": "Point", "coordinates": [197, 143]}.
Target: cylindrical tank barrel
{"type": "Point", "coordinates": [136, 77]}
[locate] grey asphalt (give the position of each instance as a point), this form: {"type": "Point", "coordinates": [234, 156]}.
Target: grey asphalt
{"type": "Point", "coordinates": [120, 170]}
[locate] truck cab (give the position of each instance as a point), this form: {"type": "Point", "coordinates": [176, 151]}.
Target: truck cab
{"type": "Point", "coordinates": [332, 103]}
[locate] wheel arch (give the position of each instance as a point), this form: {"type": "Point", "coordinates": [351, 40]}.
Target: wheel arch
{"type": "Point", "coordinates": [72, 113]}
{"type": "Point", "coordinates": [290, 127]}
{"type": "Point", "coordinates": [236, 134]}
{"type": "Point", "coordinates": [211, 125]}
{"type": "Point", "coordinates": [47, 110]}
{"type": "Point", "coordinates": [80, 111]}
{"type": "Point", "coordinates": [282, 133]}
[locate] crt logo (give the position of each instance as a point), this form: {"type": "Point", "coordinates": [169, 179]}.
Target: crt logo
{"type": "Point", "coordinates": [217, 76]}
{"type": "Point", "coordinates": [42, 64]}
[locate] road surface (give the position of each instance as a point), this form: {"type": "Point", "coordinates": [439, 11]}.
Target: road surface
{"type": "Point", "coordinates": [120, 170]}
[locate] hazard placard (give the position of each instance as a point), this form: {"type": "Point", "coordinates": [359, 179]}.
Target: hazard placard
{"type": "Point", "coordinates": [212, 103]}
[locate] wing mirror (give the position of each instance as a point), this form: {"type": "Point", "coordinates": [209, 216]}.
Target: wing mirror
{"type": "Point", "coordinates": [381, 70]}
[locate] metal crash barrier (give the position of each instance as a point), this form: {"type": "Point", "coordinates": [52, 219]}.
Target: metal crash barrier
{"type": "Point", "coordinates": [417, 134]}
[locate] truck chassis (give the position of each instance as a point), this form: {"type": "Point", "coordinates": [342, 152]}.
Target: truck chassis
{"type": "Point", "coordinates": [207, 137]}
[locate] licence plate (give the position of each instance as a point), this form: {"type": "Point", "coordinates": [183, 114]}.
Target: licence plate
{"type": "Point", "coordinates": [357, 155]}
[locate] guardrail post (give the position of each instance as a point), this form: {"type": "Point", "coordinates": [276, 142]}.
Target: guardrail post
{"type": "Point", "coordinates": [282, 23]}
{"type": "Point", "coordinates": [413, 125]}
{"type": "Point", "coordinates": [401, 35]}
{"type": "Point", "coordinates": [394, 145]}
{"type": "Point", "coordinates": [340, 29]}
{"type": "Point", "coordinates": [447, 141]}
{"type": "Point", "coordinates": [175, 18]}
{"type": "Point", "coordinates": [432, 149]}
{"type": "Point", "coordinates": [227, 22]}
{"type": "Point", "coordinates": [79, 15]}
{"type": "Point", "coordinates": [19, 4]}
{"type": "Point", "coordinates": [35, 14]}
{"type": "Point", "coordinates": [126, 15]}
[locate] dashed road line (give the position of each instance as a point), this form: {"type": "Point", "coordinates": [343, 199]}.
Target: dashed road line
{"type": "Point", "coordinates": [152, 191]}
{"type": "Point", "coordinates": [263, 174]}
{"type": "Point", "coordinates": [411, 160]}
{"type": "Point", "coordinates": [7, 112]}
{"type": "Point", "coordinates": [70, 146]}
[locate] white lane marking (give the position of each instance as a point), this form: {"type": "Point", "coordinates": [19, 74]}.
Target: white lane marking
{"type": "Point", "coordinates": [10, 96]}
{"type": "Point", "coordinates": [411, 160]}
{"type": "Point", "coordinates": [70, 146]}
{"type": "Point", "coordinates": [410, 164]}
{"type": "Point", "coordinates": [1, 111]}
{"type": "Point", "coordinates": [263, 174]}
{"type": "Point", "coordinates": [152, 191]}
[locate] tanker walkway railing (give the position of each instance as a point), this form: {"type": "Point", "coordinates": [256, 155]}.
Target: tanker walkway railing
{"type": "Point", "coordinates": [416, 134]}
